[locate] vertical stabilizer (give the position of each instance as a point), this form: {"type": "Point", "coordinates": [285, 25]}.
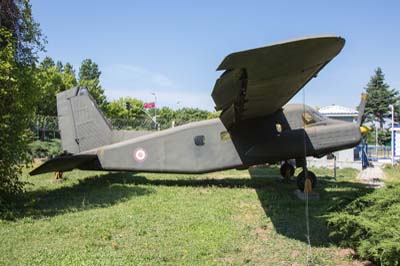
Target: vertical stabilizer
{"type": "Point", "coordinates": [82, 125]}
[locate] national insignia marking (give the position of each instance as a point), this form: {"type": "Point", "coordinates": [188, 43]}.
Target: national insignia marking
{"type": "Point", "coordinates": [140, 155]}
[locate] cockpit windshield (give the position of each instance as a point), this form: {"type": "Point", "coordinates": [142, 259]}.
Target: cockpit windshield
{"type": "Point", "coordinates": [311, 116]}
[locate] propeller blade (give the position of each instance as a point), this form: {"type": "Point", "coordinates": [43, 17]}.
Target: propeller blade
{"type": "Point", "coordinates": [361, 108]}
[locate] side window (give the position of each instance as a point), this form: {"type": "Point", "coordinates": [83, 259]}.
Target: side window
{"type": "Point", "coordinates": [308, 118]}
{"type": "Point", "coordinates": [225, 136]}
{"type": "Point", "coordinates": [279, 127]}
{"type": "Point", "coordinates": [199, 140]}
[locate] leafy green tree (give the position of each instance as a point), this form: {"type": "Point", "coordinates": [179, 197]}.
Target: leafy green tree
{"type": "Point", "coordinates": [165, 117]}
{"type": "Point", "coordinates": [69, 78]}
{"type": "Point", "coordinates": [127, 113]}
{"type": "Point", "coordinates": [89, 76]}
{"type": "Point", "coordinates": [380, 96]}
{"type": "Point", "coordinates": [384, 137]}
{"type": "Point", "coordinates": [187, 115]}
{"type": "Point", "coordinates": [52, 79]}
{"type": "Point", "coordinates": [17, 94]}
{"type": "Point", "coordinates": [213, 115]}
{"type": "Point", "coordinates": [16, 18]}
{"type": "Point", "coordinates": [50, 82]}
{"type": "Point", "coordinates": [20, 41]}
{"type": "Point", "coordinates": [117, 109]}
{"type": "Point", "coordinates": [47, 63]}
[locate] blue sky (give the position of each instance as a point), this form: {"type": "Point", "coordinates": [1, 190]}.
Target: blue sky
{"type": "Point", "coordinates": [173, 47]}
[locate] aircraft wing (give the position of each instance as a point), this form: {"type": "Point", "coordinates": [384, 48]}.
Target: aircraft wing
{"type": "Point", "coordinates": [260, 81]}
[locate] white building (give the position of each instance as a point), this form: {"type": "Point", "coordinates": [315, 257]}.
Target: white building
{"type": "Point", "coordinates": [340, 113]}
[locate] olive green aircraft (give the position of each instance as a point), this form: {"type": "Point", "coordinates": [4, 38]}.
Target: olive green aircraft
{"type": "Point", "coordinates": [256, 125]}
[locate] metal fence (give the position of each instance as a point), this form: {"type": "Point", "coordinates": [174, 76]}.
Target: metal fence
{"type": "Point", "coordinates": [374, 153]}
{"type": "Point", "coordinates": [378, 152]}
{"type": "Point", "coordinates": [46, 127]}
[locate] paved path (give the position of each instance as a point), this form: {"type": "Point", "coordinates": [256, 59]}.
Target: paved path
{"type": "Point", "coordinates": [372, 176]}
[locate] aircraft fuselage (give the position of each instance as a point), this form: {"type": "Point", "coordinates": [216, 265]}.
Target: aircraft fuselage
{"type": "Point", "coordinates": [292, 133]}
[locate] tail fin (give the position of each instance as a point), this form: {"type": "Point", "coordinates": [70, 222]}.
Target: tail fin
{"type": "Point", "coordinates": [82, 125]}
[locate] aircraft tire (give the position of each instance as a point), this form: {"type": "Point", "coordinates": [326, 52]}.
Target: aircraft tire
{"type": "Point", "coordinates": [286, 169]}
{"type": "Point", "coordinates": [301, 179]}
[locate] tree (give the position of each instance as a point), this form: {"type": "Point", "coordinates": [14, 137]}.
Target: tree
{"type": "Point", "coordinates": [165, 116]}
{"type": "Point", "coordinates": [117, 109]}
{"type": "Point", "coordinates": [213, 115]}
{"type": "Point", "coordinates": [127, 113]}
{"type": "Point", "coordinates": [52, 79]}
{"type": "Point", "coordinates": [89, 76]}
{"type": "Point", "coordinates": [380, 96]}
{"type": "Point", "coordinates": [20, 40]}
{"type": "Point", "coordinates": [69, 78]}
{"type": "Point", "coordinates": [17, 97]}
{"type": "Point", "coordinates": [186, 115]}
{"type": "Point", "coordinates": [16, 18]}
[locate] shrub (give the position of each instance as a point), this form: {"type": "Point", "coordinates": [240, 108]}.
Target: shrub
{"type": "Point", "coordinates": [371, 225]}
{"type": "Point", "coordinates": [45, 149]}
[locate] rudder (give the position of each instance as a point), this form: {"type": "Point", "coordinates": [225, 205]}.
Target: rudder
{"type": "Point", "coordinates": [82, 125]}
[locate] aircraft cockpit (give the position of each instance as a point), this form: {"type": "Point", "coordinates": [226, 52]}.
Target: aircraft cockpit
{"type": "Point", "coordinates": [311, 116]}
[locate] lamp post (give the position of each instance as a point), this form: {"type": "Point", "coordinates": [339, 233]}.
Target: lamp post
{"type": "Point", "coordinates": [178, 103]}
{"type": "Point", "coordinates": [155, 110]}
{"type": "Point", "coordinates": [392, 142]}
{"type": "Point", "coordinates": [376, 140]}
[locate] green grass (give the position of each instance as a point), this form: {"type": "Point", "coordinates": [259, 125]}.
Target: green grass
{"type": "Point", "coordinates": [392, 174]}
{"type": "Point", "coordinates": [223, 218]}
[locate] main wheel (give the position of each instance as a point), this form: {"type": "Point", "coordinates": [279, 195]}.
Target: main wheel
{"type": "Point", "coordinates": [301, 179]}
{"type": "Point", "coordinates": [287, 170]}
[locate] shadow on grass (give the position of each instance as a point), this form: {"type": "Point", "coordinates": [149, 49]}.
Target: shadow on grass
{"type": "Point", "coordinates": [92, 192]}
{"type": "Point", "coordinates": [286, 212]}
{"type": "Point", "coordinates": [277, 198]}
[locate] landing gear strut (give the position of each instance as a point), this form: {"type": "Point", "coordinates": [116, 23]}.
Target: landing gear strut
{"type": "Point", "coordinates": [287, 170]}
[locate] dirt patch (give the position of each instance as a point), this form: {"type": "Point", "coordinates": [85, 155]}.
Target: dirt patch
{"type": "Point", "coordinates": [260, 233]}
{"type": "Point", "coordinates": [372, 176]}
{"type": "Point", "coordinates": [351, 255]}
{"type": "Point", "coordinates": [347, 253]}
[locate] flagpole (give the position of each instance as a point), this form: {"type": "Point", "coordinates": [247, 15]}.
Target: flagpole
{"type": "Point", "coordinates": [155, 110]}
{"type": "Point", "coordinates": [392, 143]}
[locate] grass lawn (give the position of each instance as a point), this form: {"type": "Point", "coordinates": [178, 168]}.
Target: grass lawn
{"type": "Point", "coordinates": [224, 218]}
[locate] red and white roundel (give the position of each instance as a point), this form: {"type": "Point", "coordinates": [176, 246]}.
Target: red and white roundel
{"type": "Point", "coordinates": [139, 155]}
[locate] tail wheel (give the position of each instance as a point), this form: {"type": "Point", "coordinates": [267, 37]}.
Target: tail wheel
{"type": "Point", "coordinates": [287, 170]}
{"type": "Point", "coordinates": [301, 179]}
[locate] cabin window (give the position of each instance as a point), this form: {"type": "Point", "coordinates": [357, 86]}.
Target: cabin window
{"type": "Point", "coordinates": [311, 117]}
{"type": "Point", "coordinates": [199, 140]}
{"type": "Point", "coordinates": [225, 136]}
{"type": "Point", "coordinates": [279, 127]}
{"type": "Point", "coordinates": [308, 118]}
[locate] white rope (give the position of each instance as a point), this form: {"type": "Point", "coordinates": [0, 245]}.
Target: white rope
{"type": "Point", "coordinates": [309, 260]}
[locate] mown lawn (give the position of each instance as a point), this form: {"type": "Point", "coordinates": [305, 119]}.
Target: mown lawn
{"type": "Point", "coordinates": [223, 218]}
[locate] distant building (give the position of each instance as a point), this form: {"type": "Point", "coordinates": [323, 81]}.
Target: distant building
{"type": "Point", "coordinates": [339, 112]}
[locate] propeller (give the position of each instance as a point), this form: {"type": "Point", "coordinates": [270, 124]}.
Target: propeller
{"type": "Point", "coordinates": [363, 129]}
{"type": "Point", "coordinates": [360, 119]}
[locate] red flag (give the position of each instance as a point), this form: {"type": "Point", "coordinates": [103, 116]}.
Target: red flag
{"type": "Point", "coordinates": [149, 105]}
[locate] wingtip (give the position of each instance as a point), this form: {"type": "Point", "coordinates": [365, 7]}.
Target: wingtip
{"type": "Point", "coordinates": [225, 63]}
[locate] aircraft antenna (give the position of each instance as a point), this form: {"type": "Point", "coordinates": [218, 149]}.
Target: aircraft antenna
{"type": "Point", "coordinates": [307, 215]}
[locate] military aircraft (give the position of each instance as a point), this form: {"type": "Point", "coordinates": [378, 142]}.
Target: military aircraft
{"type": "Point", "coordinates": [255, 126]}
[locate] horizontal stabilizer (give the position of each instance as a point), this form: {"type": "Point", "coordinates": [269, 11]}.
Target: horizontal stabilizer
{"type": "Point", "coordinates": [67, 163]}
